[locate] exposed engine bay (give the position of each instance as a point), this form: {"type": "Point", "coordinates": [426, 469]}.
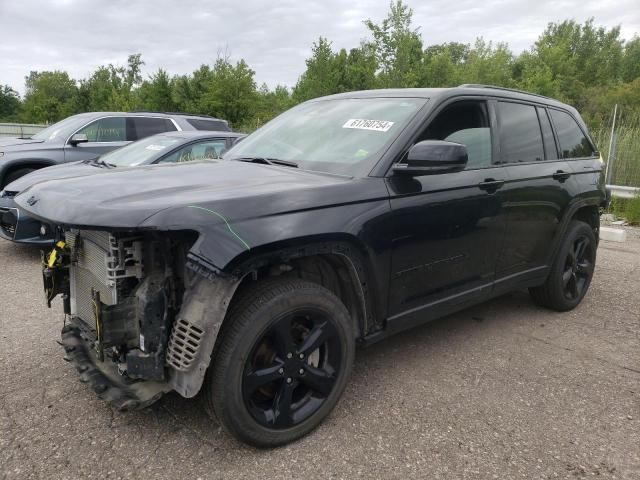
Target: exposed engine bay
{"type": "Point", "coordinates": [123, 294]}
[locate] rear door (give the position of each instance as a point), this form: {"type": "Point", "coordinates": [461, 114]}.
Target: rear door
{"type": "Point", "coordinates": [448, 228]}
{"type": "Point", "coordinates": [538, 191]}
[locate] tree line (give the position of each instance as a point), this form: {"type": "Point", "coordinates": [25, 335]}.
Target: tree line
{"type": "Point", "coordinates": [588, 66]}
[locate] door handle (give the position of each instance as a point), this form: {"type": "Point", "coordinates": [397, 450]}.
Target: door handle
{"type": "Point", "coordinates": [490, 184]}
{"type": "Point", "coordinates": [561, 175]}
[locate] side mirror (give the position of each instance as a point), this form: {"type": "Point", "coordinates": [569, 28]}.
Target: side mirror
{"type": "Point", "coordinates": [431, 157]}
{"type": "Point", "coordinates": [78, 138]}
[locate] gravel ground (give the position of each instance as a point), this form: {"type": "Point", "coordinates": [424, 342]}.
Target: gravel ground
{"type": "Point", "coordinates": [503, 390]}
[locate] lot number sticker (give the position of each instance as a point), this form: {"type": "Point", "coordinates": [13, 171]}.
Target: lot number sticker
{"type": "Point", "coordinates": [364, 124]}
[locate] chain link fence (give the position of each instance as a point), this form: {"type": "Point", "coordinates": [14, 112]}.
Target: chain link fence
{"type": "Point", "coordinates": [624, 164]}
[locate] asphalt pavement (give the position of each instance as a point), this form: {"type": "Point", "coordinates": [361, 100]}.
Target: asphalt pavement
{"type": "Point", "coordinates": [504, 390]}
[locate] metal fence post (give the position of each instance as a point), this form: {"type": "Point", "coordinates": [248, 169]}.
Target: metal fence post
{"type": "Point", "coordinates": [609, 170]}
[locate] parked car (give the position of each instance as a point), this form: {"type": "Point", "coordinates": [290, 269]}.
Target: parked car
{"type": "Point", "coordinates": [88, 135]}
{"type": "Point", "coordinates": [342, 221]}
{"type": "Point", "coordinates": [170, 147]}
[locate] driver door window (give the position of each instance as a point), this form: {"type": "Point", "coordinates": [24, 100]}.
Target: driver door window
{"type": "Point", "coordinates": [210, 149]}
{"type": "Point", "coordinates": [465, 122]}
{"type": "Point", "coordinates": [110, 129]}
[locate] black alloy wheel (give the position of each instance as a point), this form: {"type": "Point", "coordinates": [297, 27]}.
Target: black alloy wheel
{"type": "Point", "coordinates": [572, 269]}
{"type": "Point", "coordinates": [578, 267]}
{"type": "Point", "coordinates": [292, 369]}
{"type": "Point", "coordinates": [282, 361]}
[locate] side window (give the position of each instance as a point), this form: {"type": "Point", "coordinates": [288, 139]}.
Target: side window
{"type": "Point", "coordinates": [197, 151]}
{"type": "Point", "coordinates": [520, 136]}
{"type": "Point", "coordinates": [210, 125]}
{"type": "Point", "coordinates": [573, 143]}
{"type": "Point", "coordinates": [550, 150]}
{"type": "Point", "coordinates": [465, 122]}
{"type": "Point", "coordinates": [146, 126]}
{"type": "Point", "coordinates": [110, 129]}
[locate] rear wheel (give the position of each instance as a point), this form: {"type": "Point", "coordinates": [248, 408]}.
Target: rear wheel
{"type": "Point", "coordinates": [282, 363]}
{"type": "Point", "coordinates": [571, 271]}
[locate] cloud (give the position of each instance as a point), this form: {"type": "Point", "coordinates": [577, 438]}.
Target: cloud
{"type": "Point", "coordinates": [274, 38]}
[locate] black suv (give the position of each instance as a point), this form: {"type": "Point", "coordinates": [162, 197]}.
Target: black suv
{"type": "Point", "coordinates": [342, 221]}
{"type": "Point", "coordinates": [89, 135]}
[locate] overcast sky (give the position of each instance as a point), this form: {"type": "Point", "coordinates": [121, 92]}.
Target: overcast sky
{"type": "Point", "coordinates": [273, 37]}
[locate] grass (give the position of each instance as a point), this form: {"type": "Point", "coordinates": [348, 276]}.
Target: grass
{"type": "Point", "coordinates": [627, 208]}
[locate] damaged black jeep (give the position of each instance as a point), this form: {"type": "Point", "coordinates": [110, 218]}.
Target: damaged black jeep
{"type": "Point", "coordinates": [348, 218]}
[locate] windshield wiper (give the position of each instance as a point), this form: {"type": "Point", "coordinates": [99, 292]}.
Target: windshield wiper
{"type": "Point", "coordinates": [268, 161]}
{"type": "Point", "coordinates": [99, 163]}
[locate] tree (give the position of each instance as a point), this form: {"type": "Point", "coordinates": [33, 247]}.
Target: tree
{"type": "Point", "coordinates": [111, 87]}
{"type": "Point", "coordinates": [398, 47]}
{"type": "Point", "coordinates": [488, 65]}
{"type": "Point", "coordinates": [9, 103]}
{"type": "Point", "coordinates": [630, 68]}
{"type": "Point", "coordinates": [156, 94]}
{"type": "Point", "coordinates": [49, 97]}
{"type": "Point", "coordinates": [443, 64]}
{"type": "Point", "coordinates": [231, 92]}
{"type": "Point", "coordinates": [321, 76]}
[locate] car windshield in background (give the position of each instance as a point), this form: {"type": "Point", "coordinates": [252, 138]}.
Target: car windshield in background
{"type": "Point", "coordinates": [61, 129]}
{"type": "Point", "coordinates": [140, 152]}
{"type": "Point", "coordinates": [343, 136]}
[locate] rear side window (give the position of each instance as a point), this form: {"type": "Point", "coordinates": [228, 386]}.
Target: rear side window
{"type": "Point", "coordinates": [143, 127]}
{"type": "Point", "coordinates": [520, 137]}
{"type": "Point", "coordinates": [550, 150]}
{"type": "Point", "coordinates": [110, 129]}
{"type": "Point", "coordinates": [208, 125]}
{"type": "Point", "coordinates": [573, 143]}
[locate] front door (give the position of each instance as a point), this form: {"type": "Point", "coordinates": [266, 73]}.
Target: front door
{"type": "Point", "coordinates": [449, 228]}
{"type": "Point", "coordinates": [104, 134]}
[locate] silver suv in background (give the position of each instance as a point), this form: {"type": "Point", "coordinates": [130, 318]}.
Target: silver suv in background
{"type": "Point", "coordinates": [89, 135]}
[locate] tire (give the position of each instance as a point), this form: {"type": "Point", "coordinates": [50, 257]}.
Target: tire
{"type": "Point", "coordinates": [284, 357]}
{"type": "Point", "coordinates": [16, 174]}
{"type": "Point", "coordinates": [571, 272]}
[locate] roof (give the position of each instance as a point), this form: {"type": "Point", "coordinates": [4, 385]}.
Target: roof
{"type": "Point", "coordinates": [148, 113]}
{"type": "Point", "coordinates": [466, 89]}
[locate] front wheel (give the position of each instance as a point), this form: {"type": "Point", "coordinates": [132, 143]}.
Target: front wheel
{"type": "Point", "coordinates": [282, 363]}
{"type": "Point", "coordinates": [572, 270]}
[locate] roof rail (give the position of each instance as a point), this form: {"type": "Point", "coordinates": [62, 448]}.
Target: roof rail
{"type": "Point", "coordinates": [178, 113]}
{"type": "Point", "coordinates": [515, 90]}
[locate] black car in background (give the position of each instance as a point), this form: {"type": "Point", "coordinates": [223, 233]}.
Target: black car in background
{"type": "Point", "coordinates": [340, 222]}
{"type": "Point", "coordinates": [171, 147]}
{"type": "Point", "coordinates": [88, 135]}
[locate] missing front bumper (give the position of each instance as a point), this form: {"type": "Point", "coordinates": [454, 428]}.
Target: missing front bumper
{"type": "Point", "coordinates": [121, 392]}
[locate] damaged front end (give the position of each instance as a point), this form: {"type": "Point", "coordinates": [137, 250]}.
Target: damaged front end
{"type": "Point", "coordinates": [142, 314]}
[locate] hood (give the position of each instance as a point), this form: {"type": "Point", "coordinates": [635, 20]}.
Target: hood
{"type": "Point", "coordinates": [15, 141]}
{"type": "Point", "coordinates": [133, 197]}
{"type": "Point", "coordinates": [65, 170]}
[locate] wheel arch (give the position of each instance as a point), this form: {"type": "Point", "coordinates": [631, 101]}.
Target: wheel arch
{"type": "Point", "coordinates": [586, 210]}
{"type": "Point", "coordinates": [340, 263]}
{"type": "Point", "coordinates": [336, 262]}
{"type": "Point", "coordinates": [34, 163]}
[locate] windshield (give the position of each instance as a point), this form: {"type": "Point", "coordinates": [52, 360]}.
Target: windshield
{"type": "Point", "coordinates": [140, 152]}
{"type": "Point", "coordinates": [62, 129]}
{"type": "Point", "coordinates": [344, 136]}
